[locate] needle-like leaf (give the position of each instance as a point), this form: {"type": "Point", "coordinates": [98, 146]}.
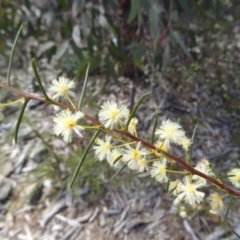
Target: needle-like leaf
{"type": "Point", "coordinates": [20, 119]}
{"type": "Point", "coordinates": [135, 109]}
{"type": "Point", "coordinates": [154, 128]}
{"type": "Point", "coordinates": [39, 80]}
{"type": "Point", "coordinates": [12, 54]}
{"type": "Point", "coordinates": [83, 157]}
{"type": "Point", "coordinates": [120, 170]}
{"type": "Point", "coordinates": [83, 89]}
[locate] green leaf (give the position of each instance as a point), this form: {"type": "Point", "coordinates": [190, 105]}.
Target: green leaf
{"type": "Point", "coordinates": [154, 21]}
{"type": "Point", "coordinates": [63, 4]}
{"type": "Point", "coordinates": [20, 119]}
{"type": "Point", "coordinates": [83, 157]}
{"type": "Point", "coordinates": [227, 212]}
{"type": "Point", "coordinates": [166, 57]}
{"type": "Point", "coordinates": [76, 36]}
{"type": "Point", "coordinates": [28, 4]}
{"type": "Point", "coordinates": [109, 68]}
{"type": "Point", "coordinates": [154, 128]}
{"type": "Point", "coordinates": [120, 170]}
{"type": "Point", "coordinates": [45, 47]}
{"type": "Point", "coordinates": [192, 141]}
{"type": "Point", "coordinates": [139, 51]}
{"type": "Point", "coordinates": [77, 51]}
{"type": "Point", "coordinates": [235, 233]}
{"type": "Point", "coordinates": [76, 5]}
{"type": "Point", "coordinates": [175, 16]}
{"type": "Point", "coordinates": [146, 4]}
{"type": "Point", "coordinates": [185, 7]}
{"type": "Point", "coordinates": [138, 63]}
{"type": "Point", "coordinates": [174, 35]}
{"type": "Point", "coordinates": [12, 54]}
{"type": "Point", "coordinates": [39, 80]}
{"type": "Point", "coordinates": [135, 4]}
{"type": "Point", "coordinates": [84, 24]}
{"type": "Point", "coordinates": [81, 67]}
{"type": "Point", "coordinates": [135, 109]}
{"type": "Point", "coordinates": [83, 89]}
{"type": "Point", "coordinates": [117, 159]}
{"type": "Point", "coordinates": [168, 184]}
{"type": "Point", "coordinates": [62, 49]}
{"type": "Point", "coordinates": [91, 44]}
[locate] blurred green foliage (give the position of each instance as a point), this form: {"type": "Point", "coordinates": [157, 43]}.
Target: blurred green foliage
{"type": "Point", "coordinates": [117, 37]}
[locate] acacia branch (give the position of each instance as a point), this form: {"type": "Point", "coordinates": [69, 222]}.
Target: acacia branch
{"type": "Point", "coordinates": [180, 162]}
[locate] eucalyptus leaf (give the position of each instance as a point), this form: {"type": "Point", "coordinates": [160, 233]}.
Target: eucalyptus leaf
{"type": "Point", "coordinates": [175, 35]}
{"type": "Point", "coordinates": [62, 49]}
{"type": "Point", "coordinates": [185, 7]}
{"type": "Point", "coordinates": [175, 16]}
{"type": "Point", "coordinates": [28, 4]}
{"type": "Point", "coordinates": [82, 66]}
{"type": "Point", "coordinates": [138, 63]}
{"type": "Point", "coordinates": [154, 22]}
{"type": "Point", "coordinates": [76, 5]}
{"type": "Point", "coordinates": [146, 4]}
{"type": "Point", "coordinates": [135, 5]}
{"type": "Point", "coordinates": [63, 4]}
{"type": "Point", "coordinates": [76, 36]}
{"type": "Point", "coordinates": [44, 47]}
{"type": "Point", "coordinates": [85, 27]}
{"type": "Point", "coordinates": [139, 51]}
{"type": "Point", "coordinates": [166, 57]}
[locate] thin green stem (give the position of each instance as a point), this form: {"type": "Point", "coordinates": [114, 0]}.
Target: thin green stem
{"type": "Point", "coordinates": [70, 101]}
{"type": "Point", "coordinates": [154, 160]}
{"type": "Point", "coordinates": [20, 100]}
{"type": "Point", "coordinates": [90, 127]}
{"type": "Point", "coordinates": [187, 157]}
{"type": "Point", "coordinates": [178, 172]}
{"type": "Point", "coordinates": [119, 146]}
{"type": "Point", "coordinates": [226, 195]}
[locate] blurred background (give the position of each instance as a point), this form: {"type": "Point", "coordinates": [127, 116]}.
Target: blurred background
{"type": "Point", "coordinates": [187, 53]}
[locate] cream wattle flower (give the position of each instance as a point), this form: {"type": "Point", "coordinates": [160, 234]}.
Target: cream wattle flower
{"type": "Point", "coordinates": [112, 113]}
{"type": "Point", "coordinates": [170, 132]}
{"type": "Point", "coordinates": [61, 88]}
{"type": "Point", "coordinates": [65, 124]}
